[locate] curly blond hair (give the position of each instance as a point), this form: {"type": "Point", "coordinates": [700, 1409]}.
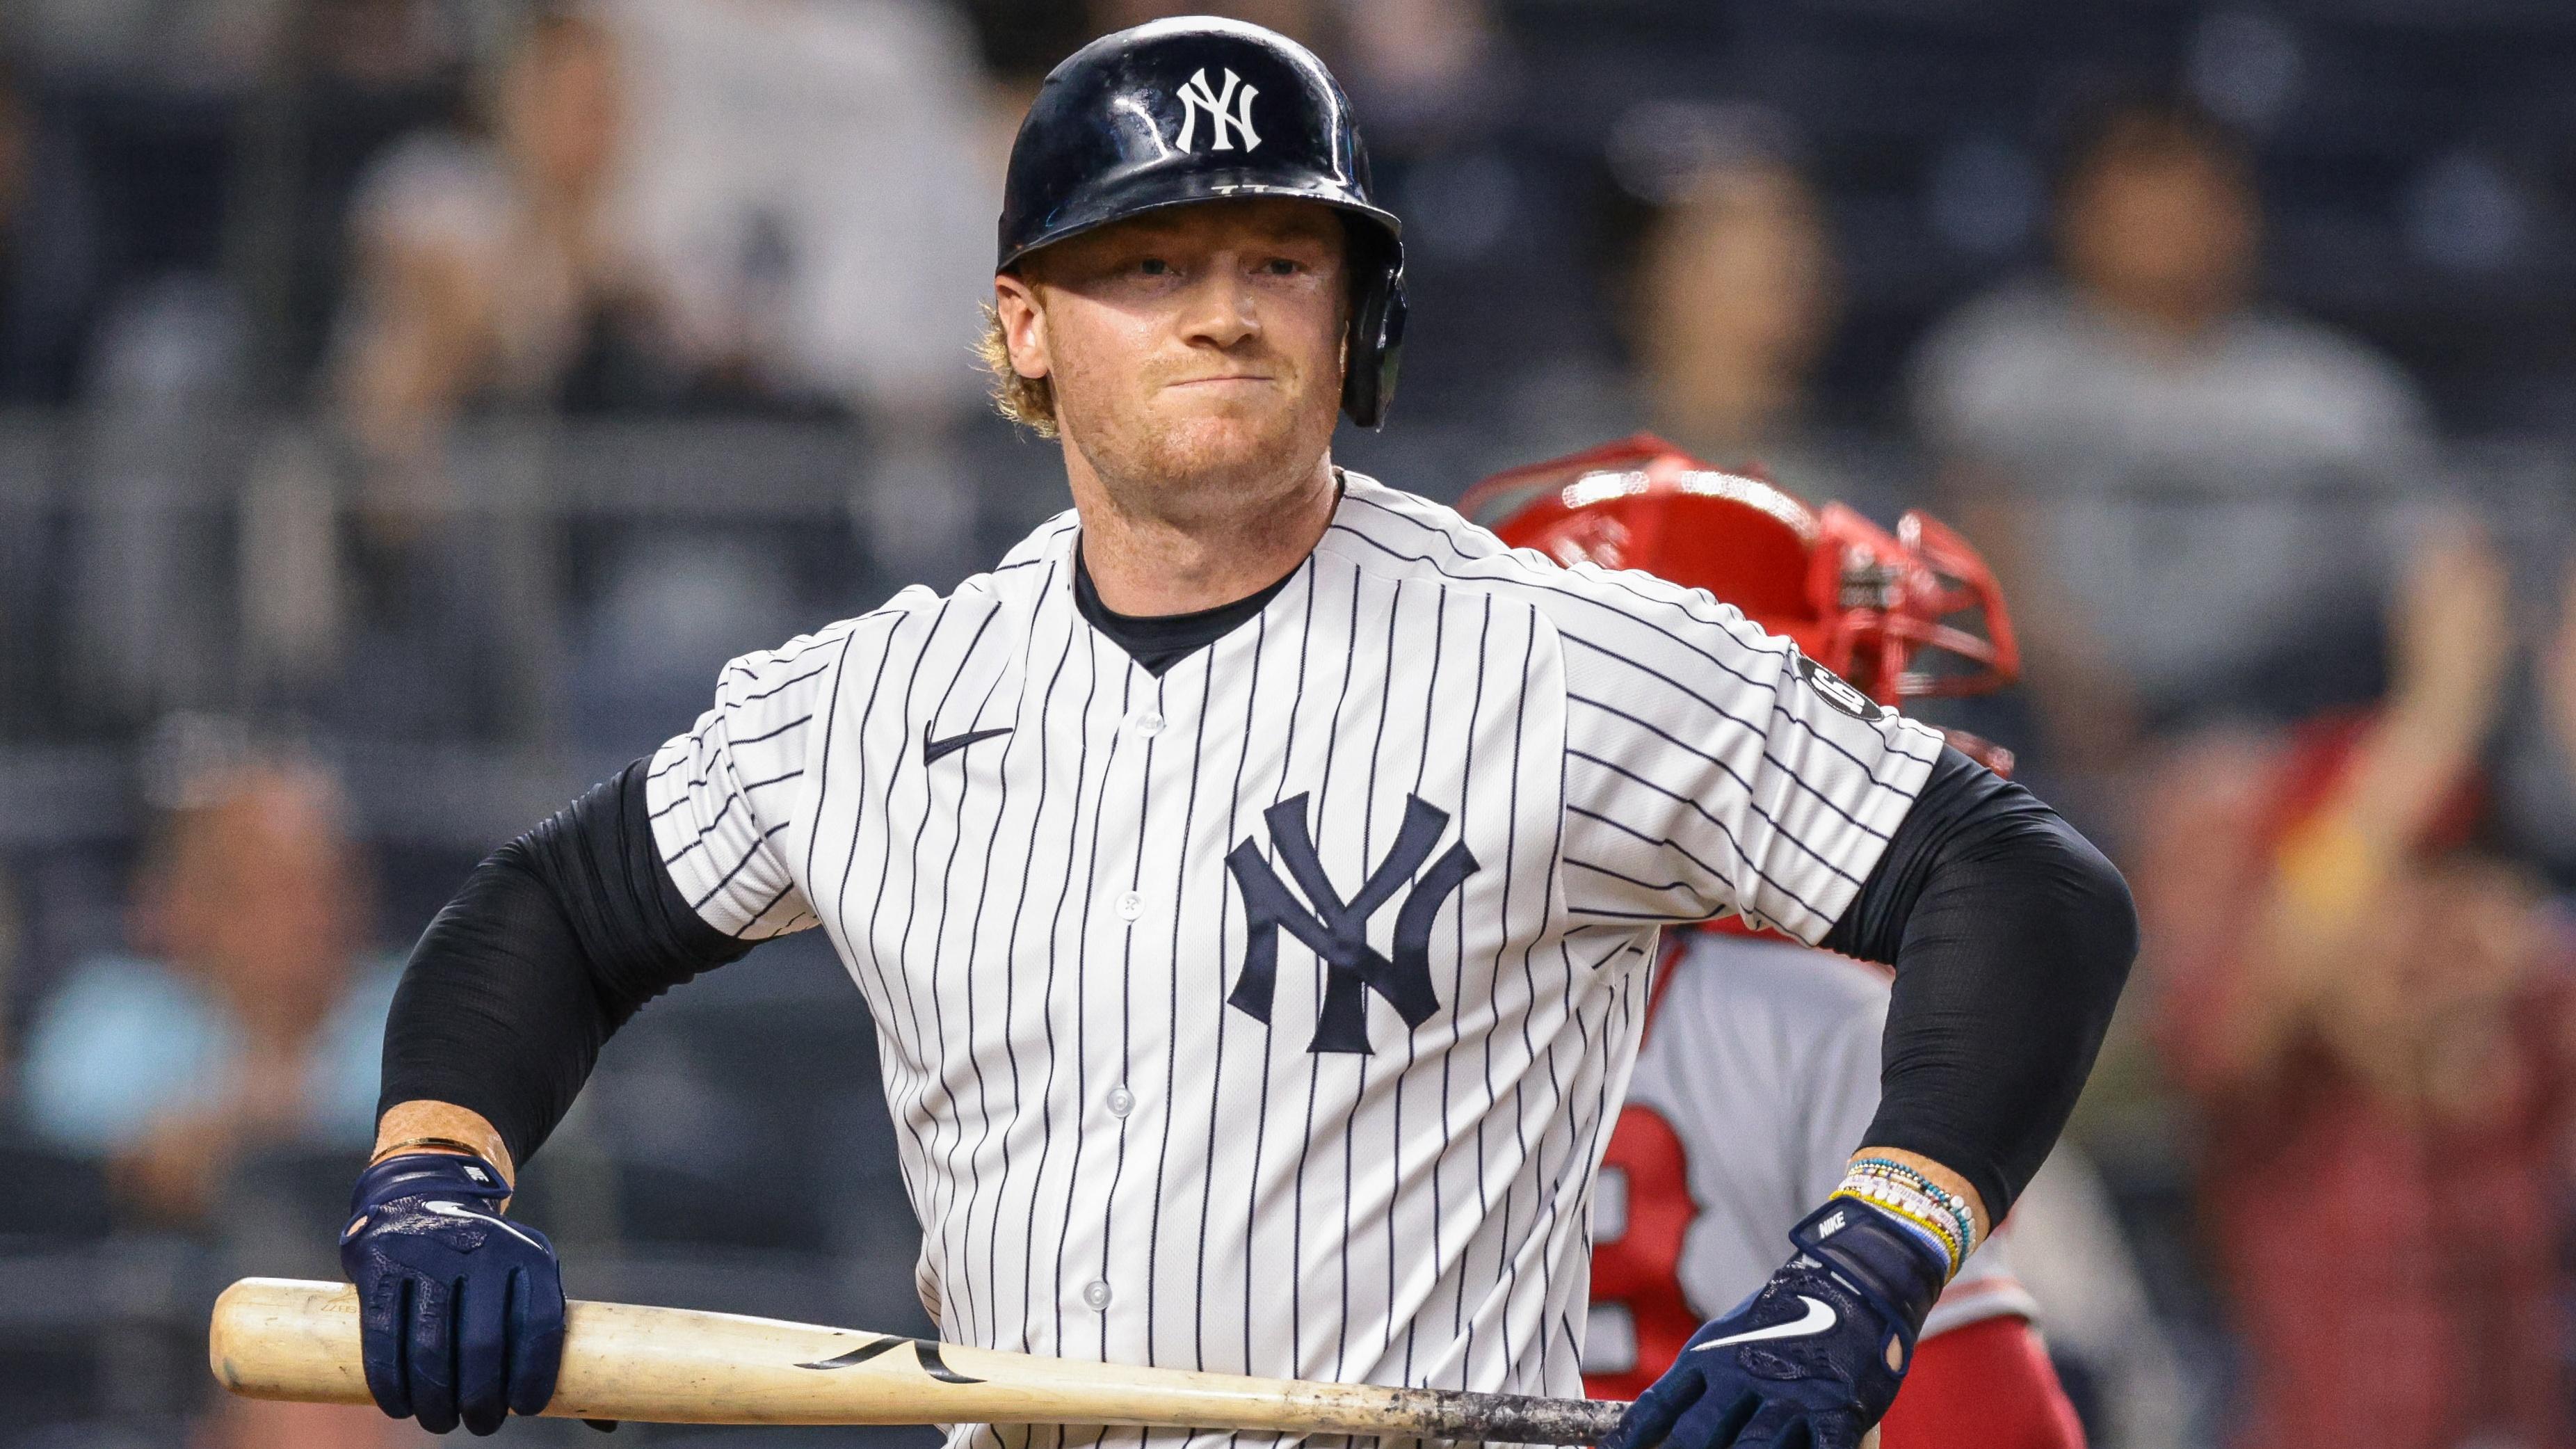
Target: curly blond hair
{"type": "Point", "coordinates": [1027, 401]}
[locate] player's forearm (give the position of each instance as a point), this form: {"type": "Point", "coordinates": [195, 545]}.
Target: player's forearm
{"type": "Point", "coordinates": [496, 1015]}
{"type": "Point", "coordinates": [550, 946]}
{"type": "Point", "coordinates": [2011, 937]}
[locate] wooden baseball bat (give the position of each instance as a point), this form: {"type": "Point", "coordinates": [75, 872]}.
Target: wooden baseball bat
{"type": "Point", "coordinates": [279, 1338]}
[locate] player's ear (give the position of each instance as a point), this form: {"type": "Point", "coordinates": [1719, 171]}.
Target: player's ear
{"type": "Point", "coordinates": [1015, 306]}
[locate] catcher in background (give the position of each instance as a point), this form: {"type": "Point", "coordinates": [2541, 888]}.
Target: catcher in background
{"type": "Point", "coordinates": [1760, 1067]}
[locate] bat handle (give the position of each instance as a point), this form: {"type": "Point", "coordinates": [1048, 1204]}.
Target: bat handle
{"type": "Point", "coordinates": [1513, 1418]}
{"type": "Point", "coordinates": [1523, 1419]}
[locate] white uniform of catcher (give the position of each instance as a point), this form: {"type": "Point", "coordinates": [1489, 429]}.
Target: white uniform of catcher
{"type": "Point", "coordinates": [1758, 1077]}
{"type": "Point", "coordinates": [1270, 1016]}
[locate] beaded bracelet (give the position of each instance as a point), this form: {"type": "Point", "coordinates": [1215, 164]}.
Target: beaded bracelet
{"type": "Point", "coordinates": [1951, 1206]}
{"type": "Point", "coordinates": [1915, 1200]}
{"type": "Point", "coordinates": [1912, 1210]}
{"type": "Point", "coordinates": [1950, 1202]}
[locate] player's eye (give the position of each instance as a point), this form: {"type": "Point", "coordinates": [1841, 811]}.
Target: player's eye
{"type": "Point", "coordinates": [1283, 267]}
{"type": "Point", "coordinates": [1153, 267]}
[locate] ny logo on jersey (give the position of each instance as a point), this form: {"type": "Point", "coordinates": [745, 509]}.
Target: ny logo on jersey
{"type": "Point", "coordinates": [1197, 96]}
{"type": "Point", "coordinates": [1337, 930]}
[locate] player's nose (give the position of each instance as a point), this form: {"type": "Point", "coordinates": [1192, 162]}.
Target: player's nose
{"type": "Point", "coordinates": [1221, 307]}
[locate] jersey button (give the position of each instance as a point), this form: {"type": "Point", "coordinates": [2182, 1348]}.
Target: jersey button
{"type": "Point", "coordinates": [1095, 1295]}
{"type": "Point", "coordinates": [1121, 1101]}
{"type": "Point", "coordinates": [1130, 906]}
{"type": "Point", "coordinates": [1148, 724]}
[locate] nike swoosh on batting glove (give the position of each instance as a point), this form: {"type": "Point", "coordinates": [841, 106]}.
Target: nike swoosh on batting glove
{"type": "Point", "coordinates": [1805, 1361]}
{"type": "Point", "coordinates": [460, 1312]}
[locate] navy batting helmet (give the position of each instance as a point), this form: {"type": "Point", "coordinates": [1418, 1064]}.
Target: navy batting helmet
{"type": "Point", "coordinates": [1202, 109]}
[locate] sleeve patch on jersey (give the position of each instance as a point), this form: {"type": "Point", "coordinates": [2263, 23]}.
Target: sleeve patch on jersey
{"type": "Point", "coordinates": [1835, 691]}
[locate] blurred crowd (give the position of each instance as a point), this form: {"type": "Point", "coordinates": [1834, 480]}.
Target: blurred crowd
{"type": "Point", "coordinates": [2105, 293]}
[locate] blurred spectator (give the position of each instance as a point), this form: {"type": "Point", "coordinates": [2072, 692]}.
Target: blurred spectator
{"type": "Point", "coordinates": [2152, 455]}
{"type": "Point", "coordinates": [1735, 299]}
{"type": "Point", "coordinates": [352, 78]}
{"type": "Point", "coordinates": [248, 1014]}
{"type": "Point", "coordinates": [489, 266]}
{"type": "Point", "coordinates": [810, 191]}
{"type": "Point", "coordinates": [1417, 65]}
{"type": "Point", "coordinates": [2379, 1023]}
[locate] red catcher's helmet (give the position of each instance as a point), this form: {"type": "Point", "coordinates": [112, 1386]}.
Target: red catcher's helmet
{"type": "Point", "coordinates": [1873, 607]}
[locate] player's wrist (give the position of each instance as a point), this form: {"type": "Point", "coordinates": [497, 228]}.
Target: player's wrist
{"type": "Point", "coordinates": [419, 1174]}
{"type": "Point", "coordinates": [442, 1127]}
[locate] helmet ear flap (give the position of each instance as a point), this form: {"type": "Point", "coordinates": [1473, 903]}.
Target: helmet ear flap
{"type": "Point", "coordinates": [1376, 342]}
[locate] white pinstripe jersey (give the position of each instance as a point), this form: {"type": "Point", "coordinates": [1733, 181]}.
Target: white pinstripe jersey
{"type": "Point", "coordinates": [1758, 1076]}
{"type": "Point", "coordinates": [1268, 1016]}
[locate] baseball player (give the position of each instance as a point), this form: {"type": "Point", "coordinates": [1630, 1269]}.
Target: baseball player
{"type": "Point", "coordinates": [1254, 877]}
{"type": "Point", "coordinates": [1760, 1064]}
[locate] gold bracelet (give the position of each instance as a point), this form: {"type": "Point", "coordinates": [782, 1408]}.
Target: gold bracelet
{"type": "Point", "coordinates": [479, 1154]}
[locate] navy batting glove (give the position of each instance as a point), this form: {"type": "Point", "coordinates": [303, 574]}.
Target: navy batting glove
{"type": "Point", "coordinates": [461, 1315]}
{"type": "Point", "coordinates": [1804, 1363]}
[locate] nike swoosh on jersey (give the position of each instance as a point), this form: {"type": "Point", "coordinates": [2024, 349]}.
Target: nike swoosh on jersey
{"type": "Point", "coordinates": [932, 749]}
{"type": "Point", "coordinates": [1819, 1317]}
{"type": "Point", "coordinates": [460, 1210]}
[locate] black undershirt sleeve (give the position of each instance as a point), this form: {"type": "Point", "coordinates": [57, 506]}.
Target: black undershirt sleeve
{"type": "Point", "coordinates": [2011, 937]}
{"type": "Point", "coordinates": [555, 940]}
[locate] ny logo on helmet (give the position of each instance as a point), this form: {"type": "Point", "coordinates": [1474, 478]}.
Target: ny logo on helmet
{"type": "Point", "coordinates": [1222, 124]}
{"type": "Point", "coordinates": [1337, 930]}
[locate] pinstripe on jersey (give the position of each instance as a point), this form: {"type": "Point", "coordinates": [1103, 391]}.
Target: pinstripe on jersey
{"type": "Point", "coordinates": [1110, 1160]}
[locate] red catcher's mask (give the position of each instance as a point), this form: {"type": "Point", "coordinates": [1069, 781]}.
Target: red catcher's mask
{"type": "Point", "coordinates": [1901, 616]}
